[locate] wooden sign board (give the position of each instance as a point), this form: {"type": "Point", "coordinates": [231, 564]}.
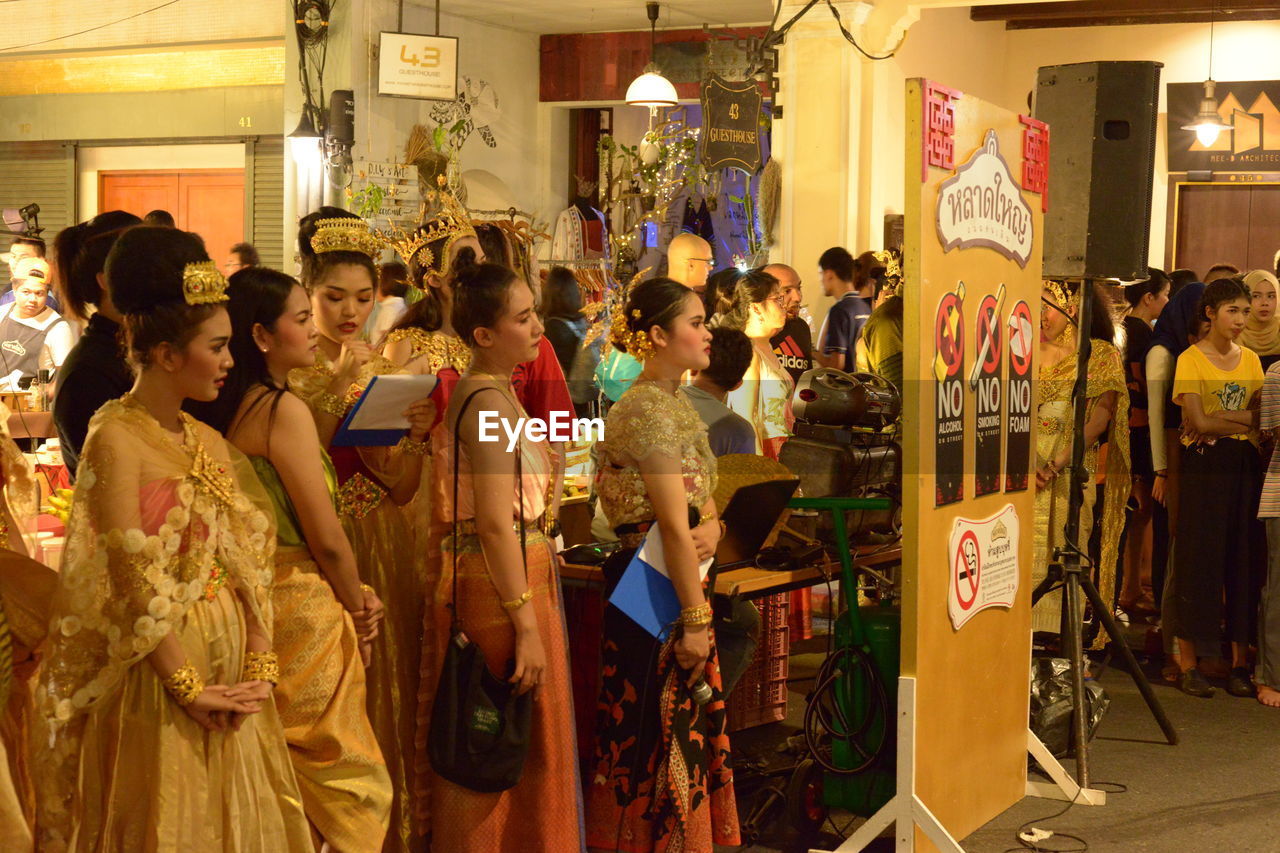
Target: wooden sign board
{"type": "Point", "coordinates": [730, 124]}
{"type": "Point", "coordinates": [972, 266]}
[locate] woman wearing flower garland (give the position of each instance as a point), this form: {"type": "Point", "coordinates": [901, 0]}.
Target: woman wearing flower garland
{"type": "Point", "coordinates": [155, 693]}
{"type": "Point", "coordinates": [661, 779]}
{"type": "Point", "coordinates": [373, 483]}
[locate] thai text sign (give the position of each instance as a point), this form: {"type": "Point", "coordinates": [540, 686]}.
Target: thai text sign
{"type": "Point", "coordinates": [982, 205]}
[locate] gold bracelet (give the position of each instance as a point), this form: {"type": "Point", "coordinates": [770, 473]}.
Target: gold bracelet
{"type": "Point", "coordinates": [184, 685]}
{"type": "Point", "coordinates": [412, 447]}
{"type": "Point", "coordinates": [703, 518]}
{"type": "Point", "coordinates": [517, 603]}
{"type": "Point", "coordinates": [364, 587]}
{"type": "Point", "coordinates": [261, 666]}
{"type": "Point", "coordinates": [696, 616]}
{"type": "Point", "coordinates": [330, 403]}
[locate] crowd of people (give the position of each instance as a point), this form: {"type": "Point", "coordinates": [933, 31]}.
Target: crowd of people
{"type": "Point", "coordinates": [253, 620]}
{"type": "Point", "coordinates": [1183, 405]}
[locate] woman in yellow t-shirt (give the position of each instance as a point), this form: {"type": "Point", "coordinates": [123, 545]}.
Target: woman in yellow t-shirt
{"type": "Point", "coordinates": [1221, 551]}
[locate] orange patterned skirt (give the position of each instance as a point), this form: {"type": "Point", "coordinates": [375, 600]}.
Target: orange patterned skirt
{"type": "Point", "coordinates": [543, 813]}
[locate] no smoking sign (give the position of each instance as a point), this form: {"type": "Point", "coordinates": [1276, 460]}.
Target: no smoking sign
{"type": "Point", "coordinates": [984, 566]}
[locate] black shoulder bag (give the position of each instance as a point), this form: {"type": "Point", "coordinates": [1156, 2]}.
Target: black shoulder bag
{"type": "Point", "coordinates": [480, 727]}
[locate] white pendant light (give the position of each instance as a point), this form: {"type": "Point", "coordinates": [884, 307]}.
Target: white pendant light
{"type": "Point", "coordinates": [651, 89]}
{"type": "Point", "coordinates": [1208, 123]}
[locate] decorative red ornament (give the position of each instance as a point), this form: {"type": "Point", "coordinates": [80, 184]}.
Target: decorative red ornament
{"type": "Point", "coordinates": [1035, 158]}
{"type": "Point", "coordinates": [939, 127]}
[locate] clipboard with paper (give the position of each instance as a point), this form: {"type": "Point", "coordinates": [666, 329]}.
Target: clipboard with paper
{"type": "Point", "coordinates": [645, 592]}
{"type": "Point", "coordinates": [377, 419]}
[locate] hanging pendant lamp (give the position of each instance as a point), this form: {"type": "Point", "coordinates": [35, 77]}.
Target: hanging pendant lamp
{"type": "Point", "coordinates": [651, 89]}
{"type": "Point", "coordinates": [1208, 122]}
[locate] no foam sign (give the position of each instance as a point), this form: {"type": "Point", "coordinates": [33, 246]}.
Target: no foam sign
{"type": "Point", "coordinates": [983, 560]}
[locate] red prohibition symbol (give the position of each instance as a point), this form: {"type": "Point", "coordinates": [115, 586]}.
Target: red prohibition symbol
{"type": "Point", "coordinates": [967, 571]}
{"type": "Point", "coordinates": [949, 346]}
{"type": "Point", "coordinates": [989, 330]}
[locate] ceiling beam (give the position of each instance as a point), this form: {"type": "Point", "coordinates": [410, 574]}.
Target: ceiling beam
{"type": "Point", "coordinates": [1093, 13]}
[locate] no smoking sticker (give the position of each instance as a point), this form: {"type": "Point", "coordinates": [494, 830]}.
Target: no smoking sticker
{"type": "Point", "coordinates": [983, 561]}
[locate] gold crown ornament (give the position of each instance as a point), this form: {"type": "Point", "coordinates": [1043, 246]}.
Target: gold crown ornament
{"type": "Point", "coordinates": [345, 234]}
{"type": "Point", "coordinates": [450, 223]}
{"type": "Point", "coordinates": [202, 284]}
{"type": "Point", "coordinates": [636, 344]}
{"type": "Point", "coordinates": [1066, 298]}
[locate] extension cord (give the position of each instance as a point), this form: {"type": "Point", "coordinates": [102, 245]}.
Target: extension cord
{"type": "Point", "coordinates": [1035, 836]}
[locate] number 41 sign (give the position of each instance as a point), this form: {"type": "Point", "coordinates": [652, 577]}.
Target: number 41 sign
{"type": "Point", "coordinates": [411, 66]}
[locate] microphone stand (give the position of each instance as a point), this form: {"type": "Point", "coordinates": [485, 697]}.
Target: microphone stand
{"type": "Point", "coordinates": [1066, 568]}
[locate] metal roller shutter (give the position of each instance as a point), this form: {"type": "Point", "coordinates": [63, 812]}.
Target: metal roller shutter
{"type": "Point", "coordinates": [264, 184]}
{"type": "Point", "coordinates": [40, 172]}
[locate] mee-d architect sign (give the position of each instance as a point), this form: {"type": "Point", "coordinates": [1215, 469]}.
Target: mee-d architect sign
{"type": "Point", "coordinates": [411, 66]}
{"type": "Point", "coordinates": [981, 205]}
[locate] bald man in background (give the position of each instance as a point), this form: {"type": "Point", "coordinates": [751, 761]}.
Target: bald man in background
{"type": "Point", "coordinates": [793, 344]}
{"type": "Point", "coordinates": [689, 261]}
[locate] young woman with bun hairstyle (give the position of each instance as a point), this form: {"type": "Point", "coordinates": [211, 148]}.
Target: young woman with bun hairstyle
{"type": "Point", "coordinates": [753, 305]}
{"type": "Point", "coordinates": [1146, 300]}
{"type": "Point", "coordinates": [95, 370]}
{"type": "Point", "coordinates": [326, 621]}
{"type": "Point", "coordinates": [507, 586]}
{"type": "Point", "coordinates": [159, 678]}
{"type": "Point", "coordinates": [661, 778]}
{"type": "Point", "coordinates": [373, 482]}
{"type": "Point", "coordinates": [1221, 551]}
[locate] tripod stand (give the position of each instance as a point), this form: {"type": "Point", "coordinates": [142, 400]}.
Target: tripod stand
{"type": "Point", "coordinates": [1066, 567]}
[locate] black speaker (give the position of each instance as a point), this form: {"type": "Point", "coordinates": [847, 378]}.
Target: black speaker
{"type": "Point", "coordinates": [1102, 149]}
{"type": "Point", "coordinates": [342, 116]}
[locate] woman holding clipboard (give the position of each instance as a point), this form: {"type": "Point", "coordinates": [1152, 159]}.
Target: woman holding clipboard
{"type": "Point", "coordinates": [338, 272]}
{"type": "Point", "coordinates": [661, 779]}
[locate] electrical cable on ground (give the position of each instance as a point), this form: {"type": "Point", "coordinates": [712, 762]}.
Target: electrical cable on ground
{"type": "Point", "coordinates": [1029, 835]}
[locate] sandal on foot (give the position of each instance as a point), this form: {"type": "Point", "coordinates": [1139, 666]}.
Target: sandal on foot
{"type": "Point", "coordinates": [1193, 684]}
{"type": "Point", "coordinates": [1240, 684]}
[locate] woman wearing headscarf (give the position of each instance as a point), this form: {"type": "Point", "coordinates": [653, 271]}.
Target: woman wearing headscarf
{"type": "Point", "coordinates": [1262, 328]}
{"type": "Point", "coordinates": [1176, 329]}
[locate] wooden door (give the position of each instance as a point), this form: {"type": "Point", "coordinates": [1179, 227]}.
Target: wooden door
{"type": "Point", "coordinates": [208, 202]}
{"type": "Point", "coordinates": [1236, 224]}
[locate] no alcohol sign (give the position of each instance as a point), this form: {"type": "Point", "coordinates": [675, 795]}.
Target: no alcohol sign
{"type": "Point", "coordinates": [948, 372]}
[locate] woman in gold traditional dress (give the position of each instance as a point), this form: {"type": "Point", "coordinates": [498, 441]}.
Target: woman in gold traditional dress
{"type": "Point", "coordinates": [26, 589]}
{"type": "Point", "coordinates": [373, 482]}
{"type": "Point", "coordinates": [325, 620]}
{"type": "Point", "coordinates": [754, 305]}
{"type": "Point", "coordinates": [661, 779]}
{"type": "Point", "coordinates": [1106, 420]}
{"type": "Point", "coordinates": [508, 602]}
{"type": "Point", "coordinates": [157, 730]}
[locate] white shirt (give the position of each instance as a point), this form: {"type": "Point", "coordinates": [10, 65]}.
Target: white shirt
{"type": "Point", "coordinates": [57, 342]}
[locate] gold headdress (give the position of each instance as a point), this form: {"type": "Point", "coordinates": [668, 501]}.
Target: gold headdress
{"type": "Point", "coordinates": [345, 234]}
{"type": "Point", "coordinates": [450, 223]}
{"type": "Point", "coordinates": [202, 284]}
{"type": "Point", "coordinates": [637, 344]}
{"type": "Point", "coordinates": [1066, 298]}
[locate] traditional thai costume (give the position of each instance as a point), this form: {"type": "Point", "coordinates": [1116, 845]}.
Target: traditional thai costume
{"type": "Point", "coordinates": [321, 696]}
{"type": "Point", "coordinates": [661, 779]}
{"type": "Point", "coordinates": [382, 543]}
{"type": "Point", "coordinates": [167, 537]}
{"type": "Point", "coordinates": [1056, 419]}
{"type": "Point", "coordinates": [542, 813]}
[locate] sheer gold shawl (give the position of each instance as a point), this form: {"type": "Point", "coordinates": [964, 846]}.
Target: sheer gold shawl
{"type": "Point", "coordinates": [127, 581]}
{"type": "Point", "coordinates": [1106, 373]}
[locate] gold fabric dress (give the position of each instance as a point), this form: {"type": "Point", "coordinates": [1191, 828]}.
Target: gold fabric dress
{"type": "Point", "coordinates": [447, 357]}
{"type": "Point", "coordinates": [321, 696]}
{"type": "Point", "coordinates": [1106, 373]}
{"type": "Point", "coordinates": [392, 565]}
{"type": "Point", "coordinates": [166, 536]}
